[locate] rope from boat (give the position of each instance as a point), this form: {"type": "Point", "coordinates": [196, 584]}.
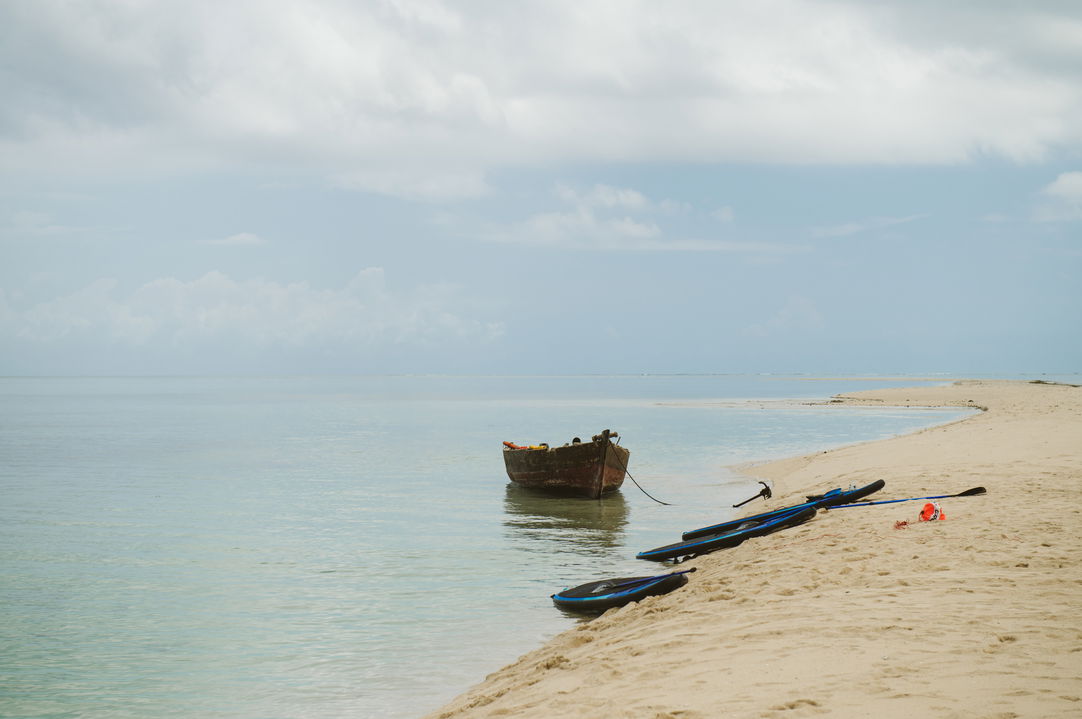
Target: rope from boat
{"type": "Point", "coordinates": [617, 458]}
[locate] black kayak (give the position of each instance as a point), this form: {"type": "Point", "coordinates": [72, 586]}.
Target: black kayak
{"type": "Point", "coordinates": [830, 499]}
{"type": "Point", "coordinates": [746, 528]}
{"type": "Point", "coordinates": [595, 597]}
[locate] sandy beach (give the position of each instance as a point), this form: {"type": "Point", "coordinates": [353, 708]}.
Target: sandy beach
{"type": "Point", "coordinates": [848, 616]}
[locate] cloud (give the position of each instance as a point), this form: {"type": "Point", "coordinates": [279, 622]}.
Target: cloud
{"type": "Point", "coordinates": [426, 98]}
{"type": "Point", "coordinates": [28, 223]}
{"type": "Point", "coordinates": [1061, 200]}
{"type": "Point", "coordinates": [241, 238]}
{"type": "Point", "coordinates": [90, 310]}
{"type": "Point", "coordinates": [724, 214]}
{"type": "Point", "coordinates": [604, 217]}
{"type": "Point", "coordinates": [598, 218]}
{"type": "Point", "coordinates": [436, 184]}
{"type": "Point", "coordinates": [583, 229]}
{"type": "Point", "coordinates": [215, 309]}
{"type": "Point", "coordinates": [604, 196]}
{"type": "Point", "coordinates": [852, 228]}
{"type": "Point", "coordinates": [797, 315]}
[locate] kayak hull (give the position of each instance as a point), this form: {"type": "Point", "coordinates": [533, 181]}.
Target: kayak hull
{"type": "Point", "coordinates": [731, 538]}
{"type": "Point", "coordinates": [832, 498]}
{"type": "Point", "coordinates": [596, 597]}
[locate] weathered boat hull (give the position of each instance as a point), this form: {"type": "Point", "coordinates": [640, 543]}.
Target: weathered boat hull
{"type": "Point", "coordinates": [586, 469]}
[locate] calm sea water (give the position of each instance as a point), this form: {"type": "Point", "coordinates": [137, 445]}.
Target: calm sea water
{"type": "Point", "coordinates": [347, 546]}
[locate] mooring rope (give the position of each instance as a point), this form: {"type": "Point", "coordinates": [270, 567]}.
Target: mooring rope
{"type": "Point", "coordinates": [617, 456]}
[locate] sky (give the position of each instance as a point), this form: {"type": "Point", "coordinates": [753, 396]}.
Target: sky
{"type": "Point", "coordinates": [540, 187]}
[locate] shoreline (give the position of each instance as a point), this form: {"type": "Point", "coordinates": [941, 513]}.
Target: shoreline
{"type": "Point", "coordinates": [846, 615]}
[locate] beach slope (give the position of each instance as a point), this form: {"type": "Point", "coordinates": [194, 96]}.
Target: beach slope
{"type": "Point", "coordinates": [847, 615]}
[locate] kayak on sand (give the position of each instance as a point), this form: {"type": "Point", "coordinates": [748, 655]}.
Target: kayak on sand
{"type": "Point", "coordinates": [747, 528]}
{"type": "Point", "coordinates": [608, 593]}
{"type": "Point", "coordinates": [830, 499]}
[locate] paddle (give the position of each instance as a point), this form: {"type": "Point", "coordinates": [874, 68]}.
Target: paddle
{"type": "Point", "coordinates": [967, 493]}
{"type": "Point", "coordinates": [644, 580]}
{"type": "Point", "coordinates": [764, 493]}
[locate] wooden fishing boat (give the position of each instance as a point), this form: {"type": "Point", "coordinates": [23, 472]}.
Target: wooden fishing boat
{"type": "Point", "coordinates": [584, 469]}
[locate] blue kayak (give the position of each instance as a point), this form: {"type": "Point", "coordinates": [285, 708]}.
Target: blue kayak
{"type": "Point", "coordinates": [594, 597]}
{"type": "Point", "coordinates": [745, 529]}
{"type": "Point", "coordinates": [829, 499]}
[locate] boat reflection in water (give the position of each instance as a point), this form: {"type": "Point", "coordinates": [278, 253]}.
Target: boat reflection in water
{"type": "Point", "coordinates": [565, 524]}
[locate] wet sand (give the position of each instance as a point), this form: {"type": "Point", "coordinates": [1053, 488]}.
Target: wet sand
{"type": "Point", "coordinates": [848, 616]}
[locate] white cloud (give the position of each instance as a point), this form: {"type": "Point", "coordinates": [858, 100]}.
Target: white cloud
{"type": "Point", "coordinates": [215, 308]}
{"type": "Point", "coordinates": [425, 98]}
{"type": "Point", "coordinates": [29, 223]}
{"type": "Point", "coordinates": [1061, 199]}
{"type": "Point", "coordinates": [618, 219]}
{"type": "Point", "coordinates": [89, 310]}
{"type": "Point", "coordinates": [724, 214]}
{"type": "Point", "coordinates": [608, 197]}
{"type": "Point", "coordinates": [419, 183]}
{"type": "Point", "coordinates": [241, 238]}
{"type": "Point", "coordinates": [798, 314]}
{"type": "Point", "coordinates": [852, 228]}
{"type": "Point", "coordinates": [599, 218]}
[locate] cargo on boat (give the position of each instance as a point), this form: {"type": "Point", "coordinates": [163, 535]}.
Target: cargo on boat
{"type": "Point", "coordinates": [585, 469]}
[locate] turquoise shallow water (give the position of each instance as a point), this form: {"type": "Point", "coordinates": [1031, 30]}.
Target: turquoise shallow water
{"type": "Point", "coordinates": [324, 547]}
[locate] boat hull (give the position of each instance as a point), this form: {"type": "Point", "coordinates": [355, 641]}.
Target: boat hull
{"type": "Point", "coordinates": [586, 469]}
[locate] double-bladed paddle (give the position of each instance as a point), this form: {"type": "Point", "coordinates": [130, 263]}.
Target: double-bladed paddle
{"type": "Point", "coordinates": [967, 493]}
